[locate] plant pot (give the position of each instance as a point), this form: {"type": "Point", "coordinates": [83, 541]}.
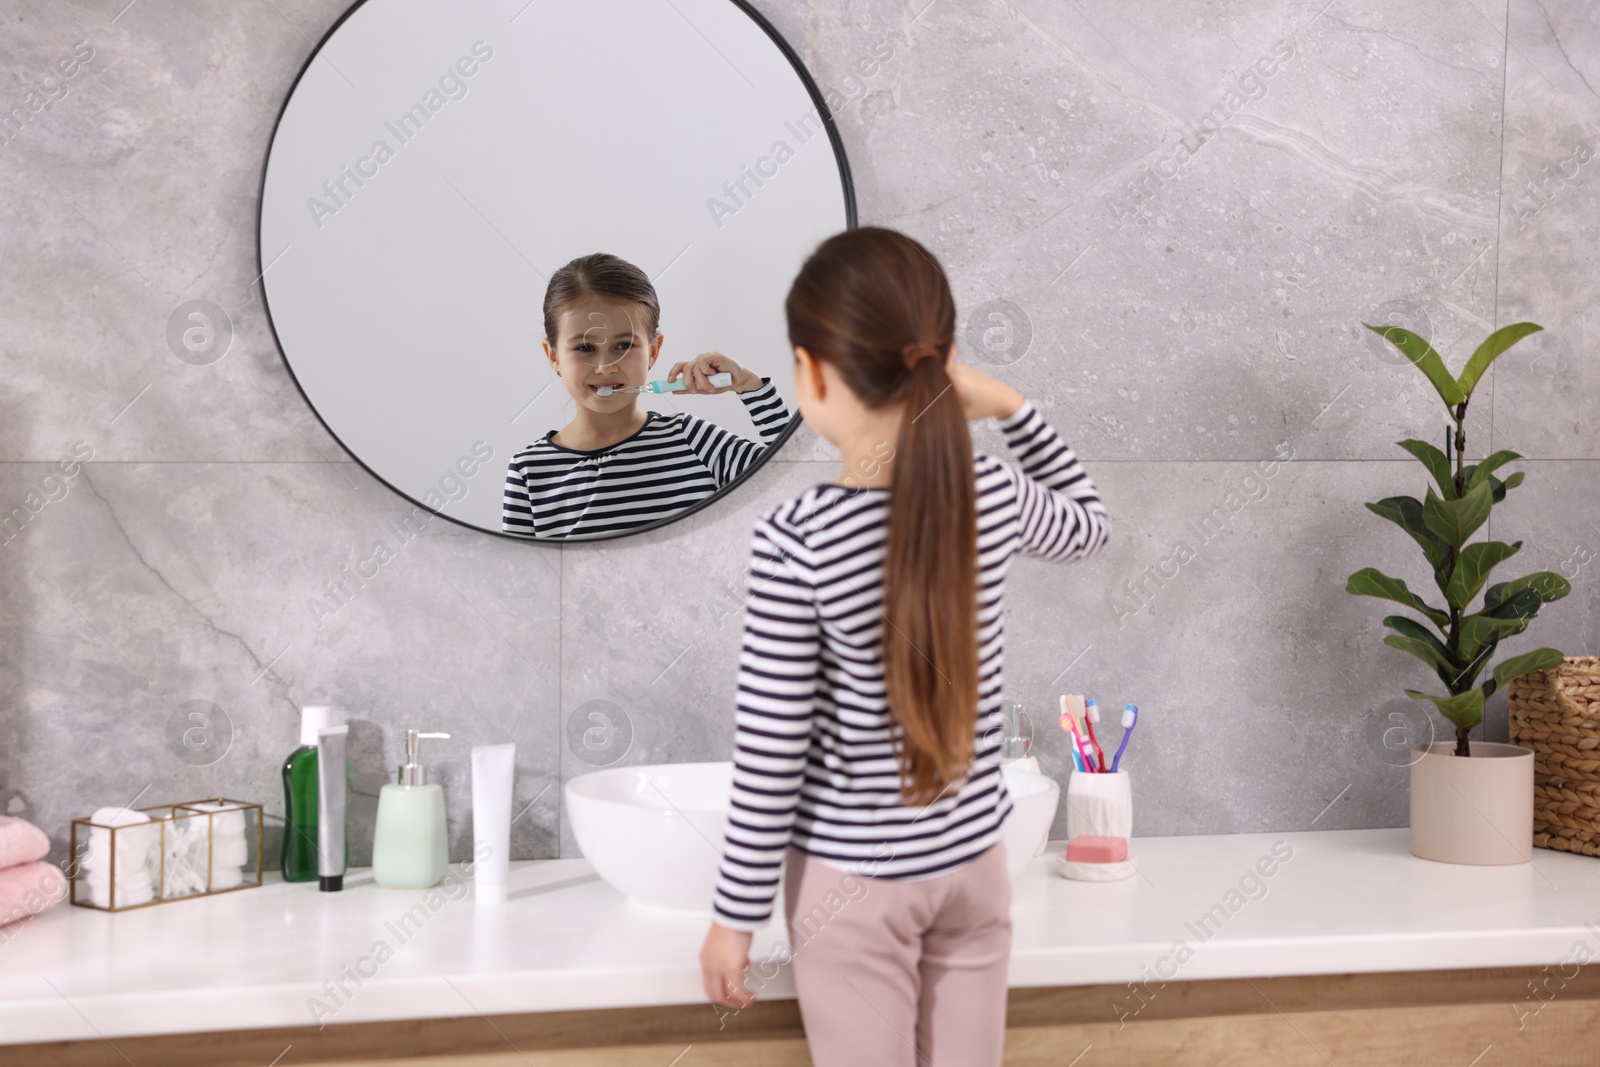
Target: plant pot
{"type": "Point", "coordinates": [1473, 810]}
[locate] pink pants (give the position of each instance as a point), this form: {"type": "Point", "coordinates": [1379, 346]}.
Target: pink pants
{"type": "Point", "coordinates": [901, 974]}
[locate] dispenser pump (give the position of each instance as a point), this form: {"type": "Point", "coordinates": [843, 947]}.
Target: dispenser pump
{"type": "Point", "coordinates": [413, 772]}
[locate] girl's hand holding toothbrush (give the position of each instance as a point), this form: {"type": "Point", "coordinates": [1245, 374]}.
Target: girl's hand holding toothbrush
{"type": "Point", "coordinates": [723, 959]}
{"type": "Point", "coordinates": [981, 396]}
{"type": "Point", "coordinates": [697, 374]}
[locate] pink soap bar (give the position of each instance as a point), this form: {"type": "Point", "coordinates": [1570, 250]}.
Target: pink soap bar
{"type": "Point", "coordinates": [1086, 848]}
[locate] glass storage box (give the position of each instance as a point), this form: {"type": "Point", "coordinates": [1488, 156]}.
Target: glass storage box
{"type": "Point", "coordinates": [168, 852]}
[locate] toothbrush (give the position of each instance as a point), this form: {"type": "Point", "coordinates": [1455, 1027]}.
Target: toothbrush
{"type": "Point", "coordinates": [1079, 742]}
{"type": "Point", "coordinates": [1130, 719]}
{"type": "Point", "coordinates": [1080, 717]}
{"type": "Point", "coordinates": [720, 381]}
{"type": "Point", "coordinates": [1069, 724]}
{"type": "Point", "coordinates": [1096, 762]}
{"type": "Point", "coordinates": [1091, 715]}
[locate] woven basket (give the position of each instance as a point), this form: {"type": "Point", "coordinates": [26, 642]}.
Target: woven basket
{"type": "Point", "coordinates": [1557, 714]}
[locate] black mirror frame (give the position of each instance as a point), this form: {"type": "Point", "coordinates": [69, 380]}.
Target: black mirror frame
{"type": "Point", "coordinates": [851, 223]}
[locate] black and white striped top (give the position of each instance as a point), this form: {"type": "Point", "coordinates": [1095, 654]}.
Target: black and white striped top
{"type": "Point", "coordinates": [813, 766]}
{"type": "Point", "coordinates": [671, 463]}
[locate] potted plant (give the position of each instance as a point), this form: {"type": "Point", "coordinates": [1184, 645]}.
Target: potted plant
{"type": "Point", "coordinates": [1470, 803]}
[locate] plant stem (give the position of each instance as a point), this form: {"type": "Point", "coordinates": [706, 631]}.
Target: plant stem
{"type": "Point", "coordinates": [1462, 746]}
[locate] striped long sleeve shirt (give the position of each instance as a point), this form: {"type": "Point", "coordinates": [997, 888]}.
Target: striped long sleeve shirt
{"type": "Point", "coordinates": [813, 762]}
{"type": "Point", "coordinates": [671, 463]}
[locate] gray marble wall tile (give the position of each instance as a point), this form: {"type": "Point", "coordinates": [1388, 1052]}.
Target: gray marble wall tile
{"type": "Point", "coordinates": [1545, 389]}
{"type": "Point", "coordinates": [1219, 608]}
{"type": "Point", "coordinates": [1552, 515]}
{"type": "Point", "coordinates": [1191, 305]}
{"type": "Point", "coordinates": [260, 588]}
{"type": "Point", "coordinates": [1177, 319]}
{"type": "Point", "coordinates": [139, 183]}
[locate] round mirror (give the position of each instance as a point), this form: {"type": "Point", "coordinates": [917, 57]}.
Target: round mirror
{"type": "Point", "coordinates": [439, 170]}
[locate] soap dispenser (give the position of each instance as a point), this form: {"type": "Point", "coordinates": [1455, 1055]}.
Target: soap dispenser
{"type": "Point", "coordinates": [409, 850]}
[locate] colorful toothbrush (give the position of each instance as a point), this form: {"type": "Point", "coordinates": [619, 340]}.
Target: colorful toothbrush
{"type": "Point", "coordinates": [1091, 715]}
{"type": "Point", "coordinates": [720, 381]}
{"type": "Point", "coordinates": [1070, 725]}
{"type": "Point", "coordinates": [1130, 719]}
{"type": "Point", "coordinates": [1080, 742]}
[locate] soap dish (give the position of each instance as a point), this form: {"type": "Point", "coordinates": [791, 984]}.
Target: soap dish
{"type": "Point", "coordinates": [1093, 872]}
{"type": "Point", "coordinates": [1093, 858]}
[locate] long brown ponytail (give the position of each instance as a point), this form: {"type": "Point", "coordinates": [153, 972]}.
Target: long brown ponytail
{"type": "Point", "coordinates": [875, 305]}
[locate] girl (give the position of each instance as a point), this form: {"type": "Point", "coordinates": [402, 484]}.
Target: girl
{"type": "Point", "coordinates": [615, 467]}
{"type": "Point", "coordinates": [869, 702]}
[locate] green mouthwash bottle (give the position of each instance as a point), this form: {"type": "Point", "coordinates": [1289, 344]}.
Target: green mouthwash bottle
{"type": "Point", "coordinates": [300, 798]}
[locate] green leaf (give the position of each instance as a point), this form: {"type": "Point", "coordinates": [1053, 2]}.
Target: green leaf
{"type": "Point", "coordinates": [1453, 521]}
{"type": "Point", "coordinates": [1441, 668]}
{"type": "Point", "coordinates": [1473, 567]}
{"type": "Point", "coordinates": [1413, 637]}
{"type": "Point", "coordinates": [1497, 488]}
{"type": "Point", "coordinates": [1506, 620]}
{"type": "Point", "coordinates": [1548, 584]}
{"type": "Point", "coordinates": [1539, 659]}
{"type": "Point", "coordinates": [1437, 465]}
{"type": "Point", "coordinates": [1406, 513]}
{"type": "Point", "coordinates": [1413, 629]}
{"type": "Point", "coordinates": [1463, 681]}
{"type": "Point", "coordinates": [1369, 581]}
{"type": "Point", "coordinates": [1479, 471]}
{"type": "Point", "coordinates": [1524, 604]}
{"type": "Point", "coordinates": [1464, 710]}
{"type": "Point", "coordinates": [1512, 481]}
{"type": "Point", "coordinates": [1479, 637]}
{"type": "Point", "coordinates": [1490, 350]}
{"type": "Point", "coordinates": [1421, 353]}
{"type": "Point", "coordinates": [1441, 579]}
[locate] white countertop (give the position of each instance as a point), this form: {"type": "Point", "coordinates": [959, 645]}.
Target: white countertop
{"type": "Point", "coordinates": [1345, 901]}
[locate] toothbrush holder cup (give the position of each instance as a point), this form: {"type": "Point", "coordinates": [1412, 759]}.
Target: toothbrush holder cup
{"type": "Point", "coordinates": [1100, 805]}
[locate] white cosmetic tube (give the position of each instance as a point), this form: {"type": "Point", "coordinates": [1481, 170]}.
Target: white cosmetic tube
{"type": "Point", "coordinates": [491, 820]}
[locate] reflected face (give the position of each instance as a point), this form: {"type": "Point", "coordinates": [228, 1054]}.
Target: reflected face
{"type": "Point", "coordinates": [602, 341]}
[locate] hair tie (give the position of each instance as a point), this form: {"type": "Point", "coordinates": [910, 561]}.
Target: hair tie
{"type": "Point", "coordinates": [917, 351]}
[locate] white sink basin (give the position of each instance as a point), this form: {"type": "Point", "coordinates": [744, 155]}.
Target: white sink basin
{"type": "Point", "coordinates": [654, 832]}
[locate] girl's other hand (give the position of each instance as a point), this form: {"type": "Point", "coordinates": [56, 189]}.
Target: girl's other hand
{"type": "Point", "coordinates": [723, 959]}
{"type": "Point", "coordinates": [981, 396]}
{"type": "Point", "coordinates": [697, 374]}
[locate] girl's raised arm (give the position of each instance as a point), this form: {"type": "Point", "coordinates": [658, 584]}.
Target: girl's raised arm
{"type": "Point", "coordinates": [726, 454]}
{"type": "Point", "coordinates": [1059, 513]}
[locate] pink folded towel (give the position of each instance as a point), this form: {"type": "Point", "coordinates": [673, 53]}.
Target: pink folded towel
{"type": "Point", "coordinates": [28, 889]}
{"type": "Point", "coordinates": [21, 842]}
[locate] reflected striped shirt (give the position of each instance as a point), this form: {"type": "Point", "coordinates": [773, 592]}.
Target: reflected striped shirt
{"type": "Point", "coordinates": [671, 463]}
{"type": "Point", "coordinates": [813, 762]}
